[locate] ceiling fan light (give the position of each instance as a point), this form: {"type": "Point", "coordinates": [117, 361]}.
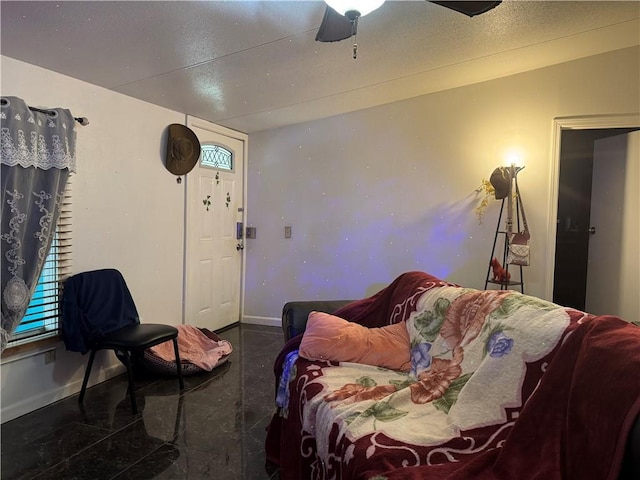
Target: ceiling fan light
{"type": "Point", "coordinates": [361, 6]}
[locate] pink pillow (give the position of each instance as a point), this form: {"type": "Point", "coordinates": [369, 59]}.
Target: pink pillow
{"type": "Point", "coordinates": [328, 337]}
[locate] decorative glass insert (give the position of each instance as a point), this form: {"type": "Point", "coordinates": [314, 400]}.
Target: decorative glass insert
{"type": "Point", "coordinates": [216, 156]}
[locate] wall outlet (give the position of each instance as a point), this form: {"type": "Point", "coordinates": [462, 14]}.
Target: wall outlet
{"type": "Point", "coordinates": [287, 231]}
{"type": "Point", "coordinates": [49, 357]}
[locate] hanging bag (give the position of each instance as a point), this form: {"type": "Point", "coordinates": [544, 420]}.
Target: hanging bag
{"type": "Point", "coordinates": [518, 252]}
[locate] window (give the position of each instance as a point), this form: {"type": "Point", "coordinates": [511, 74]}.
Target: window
{"type": "Point", "coordinates": [41, 317]}
{"type": "Point", "coordinates": [216, 156]}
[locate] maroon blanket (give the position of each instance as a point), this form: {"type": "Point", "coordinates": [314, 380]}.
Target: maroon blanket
{"type": "Point", "coordinates": [573, 426]}
{"type": "Point", "coordinates": [392, 304]}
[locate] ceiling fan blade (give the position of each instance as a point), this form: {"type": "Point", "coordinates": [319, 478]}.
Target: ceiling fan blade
{"type": "Point", "coordinates": [469, 8]}
{"type": "Point", "coordinates": [334, 27]}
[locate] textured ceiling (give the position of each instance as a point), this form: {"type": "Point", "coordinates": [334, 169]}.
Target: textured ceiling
{"type": "Point", "coordinates": [254, 65]}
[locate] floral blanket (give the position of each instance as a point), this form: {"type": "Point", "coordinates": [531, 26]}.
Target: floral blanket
{"type": "Point", "coordinates": [477, 358]}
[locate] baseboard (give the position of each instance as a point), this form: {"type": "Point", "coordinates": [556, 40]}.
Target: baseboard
{"type": "Point", "coordinates": [268, 321]}
{"type": "Point", "coordinates": [28, 405]}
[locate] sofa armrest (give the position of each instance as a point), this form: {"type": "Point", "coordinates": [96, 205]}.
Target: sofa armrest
{"type": "Point", "coordinates": [295, 314]}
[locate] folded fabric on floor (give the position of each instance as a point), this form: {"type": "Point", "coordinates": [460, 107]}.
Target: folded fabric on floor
{"type": "Point", "coordinates": [195, 347]}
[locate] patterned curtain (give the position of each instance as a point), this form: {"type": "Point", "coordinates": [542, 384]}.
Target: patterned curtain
{"type": "Point", "coordinates": [37, 154]}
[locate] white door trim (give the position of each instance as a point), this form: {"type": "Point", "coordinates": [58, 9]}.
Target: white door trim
{"type": "Point", "coordinates": [624, 120]}
{"type": "Point", "coordinates": [244, 138]}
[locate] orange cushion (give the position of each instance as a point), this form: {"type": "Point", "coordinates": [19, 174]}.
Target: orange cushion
{"type": "Point", "coordinates": [328, 337]}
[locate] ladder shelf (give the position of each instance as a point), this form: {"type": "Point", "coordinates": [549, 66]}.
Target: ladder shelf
{"type": "Point", "coordinates": [502, 255]}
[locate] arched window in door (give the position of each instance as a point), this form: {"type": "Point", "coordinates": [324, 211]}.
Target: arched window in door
{"type": "Point", "coordinates": [216, 156]}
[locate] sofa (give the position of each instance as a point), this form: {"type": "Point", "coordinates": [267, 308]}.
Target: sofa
{"type": "Point", "coordinates": [431, 380]}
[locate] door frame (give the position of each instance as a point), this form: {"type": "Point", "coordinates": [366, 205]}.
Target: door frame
{"type": "Point", "coordinates": [585, 122]}
{"type": "Point", "coordinates": [244, 138]}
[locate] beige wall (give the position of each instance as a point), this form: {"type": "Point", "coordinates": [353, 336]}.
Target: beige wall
{"type": "Point", "coordinates": [381, 191]}
{"type": "Point", "coordinates": [127, 213]}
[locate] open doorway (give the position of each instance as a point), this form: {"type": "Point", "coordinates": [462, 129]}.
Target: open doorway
{"type": "Point", "coordinates": [573, 225]}
{"type": "Point", "coordinates": [575, 230]}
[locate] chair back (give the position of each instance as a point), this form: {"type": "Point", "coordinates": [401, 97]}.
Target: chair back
{"type": "Point", "coordinates": [95, 303]}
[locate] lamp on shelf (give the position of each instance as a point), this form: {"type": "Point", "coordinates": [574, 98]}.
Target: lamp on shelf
{"type": "Point", "coordinates": [516, 244]}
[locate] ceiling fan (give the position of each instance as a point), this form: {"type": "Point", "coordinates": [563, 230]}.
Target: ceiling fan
{"type": "Point", "coordinates": [341, 16]}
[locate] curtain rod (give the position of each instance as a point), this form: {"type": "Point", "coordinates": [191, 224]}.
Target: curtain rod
{"type": "Point", "coordinates": [81, 120]}
{"type": "Point", "coordinates": [84, 121]}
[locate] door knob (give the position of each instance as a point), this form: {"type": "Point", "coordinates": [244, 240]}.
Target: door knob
{"type": "Point", "coordinates": [592, 230]}
{"type": "Point", "coordinates": [240, 246]}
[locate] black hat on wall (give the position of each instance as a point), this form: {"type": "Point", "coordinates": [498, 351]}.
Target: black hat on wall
{"type": "Point", "coordinates": [183, 149]}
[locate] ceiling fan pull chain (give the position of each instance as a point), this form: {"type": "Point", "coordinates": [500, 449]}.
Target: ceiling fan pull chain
{"type": "Point", "coordinates": [354, 32]}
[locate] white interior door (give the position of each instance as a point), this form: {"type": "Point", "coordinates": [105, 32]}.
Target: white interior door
{"type": "Point", "coordinates": [214, 254]}
{"type": "Point", "coordinates": [613, 274]}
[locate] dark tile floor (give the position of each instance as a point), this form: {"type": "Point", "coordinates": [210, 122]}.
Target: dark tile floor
{"type": "Point", "coordinates": [214, 429]}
